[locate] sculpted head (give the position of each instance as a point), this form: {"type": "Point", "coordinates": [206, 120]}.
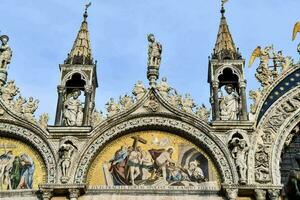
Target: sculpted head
{"type": "Point", "coordinates": [4, 39]}
{"type": "Point", "coordinates": [151, 38]}
{"type": "Point", "coordinates": [76, 94]}
{"type": "Point", "coordinates": [229, 88]}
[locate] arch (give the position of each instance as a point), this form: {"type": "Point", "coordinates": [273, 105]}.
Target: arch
{"type": "Point", "coordinates": [70, 74]}
{"type": "Point", "coordinates": [235, 71]}
{"type": "Point", "coordinates": [272, 132]}
{"type": "Point", "coordinates": [210, 143]}
{"type": "Point", "coordinates": [37, 142]}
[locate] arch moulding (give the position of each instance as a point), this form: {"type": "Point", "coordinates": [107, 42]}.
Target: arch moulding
{"type": "Point", "coordinates": [208, 142]}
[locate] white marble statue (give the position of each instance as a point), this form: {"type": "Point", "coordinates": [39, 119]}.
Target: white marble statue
{"type": "Point", "coordinates": [5, 52]}
{"type": "Point", "coordinates": [154, 51]}
{"type": "Point", "coordinates": [29, 108]}
{"type": "Point", "coordinates": [187, 104]}
{"type": "Point", "coordinates": [203, 113]}
{"type": "Point", "coordinates": [126, 102]}
{"type": "Point", "coordinates": [229, 104]}
{"type": "Point", "coordinates": [112, 107]}
{"type": "Point", "coordinates": [65, 152]}
{"type": "Point", "coordinates": [139, 90]}
{"type": "Point", "coordinates": [9, 91]}
{"type": "Point", "coordinates": [164, 88]}
{"type": "Point", "coordinates": [43, 120]}
{"type": "Point", "coordinates": [72, 114]}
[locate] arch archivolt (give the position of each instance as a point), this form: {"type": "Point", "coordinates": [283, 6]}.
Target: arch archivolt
{"type": "Point", "coordinates": [271, 134]}
{"type": "Point", "coordinates": [69, 75]}
{"type": "Point", "coordinates": [234, 70]}
{"type": "Point", "coordinates": [33, 139]}
{"type": "Point", "coordinates": [211, 144]}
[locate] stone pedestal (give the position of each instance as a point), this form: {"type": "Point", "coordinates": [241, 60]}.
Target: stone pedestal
{"type": "Point", "coordinates": [152, 75]}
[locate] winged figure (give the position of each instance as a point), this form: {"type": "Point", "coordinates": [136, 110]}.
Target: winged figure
{"type": "Point", "coordinates": [255, 54]}
{"type": "Point", "coordinates": [296, 30]}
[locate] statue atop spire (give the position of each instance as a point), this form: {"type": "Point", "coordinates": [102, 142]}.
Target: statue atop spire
{"type": "Point", "coordinates": [5, 58]}
{"type": "Point", "coordinates": [154, 58]}
{"type": "Point", "coordinates": [81, 52]}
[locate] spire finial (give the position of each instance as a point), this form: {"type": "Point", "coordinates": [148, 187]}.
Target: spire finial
{"type": "Point", "coordinates": [222, 7]}
{"type": "Point", "coordinates": [85, 15]}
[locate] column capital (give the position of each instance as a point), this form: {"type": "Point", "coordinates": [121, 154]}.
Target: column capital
{"type": "Point", "coordinates": [88, 89]}
{"type": "Point", "coordinates": [260, 194]}
{"type": "Point", "coordinates": [243, 84]}
{"type": "Point", "coordinates": [61, 88]}
{"type": "Point", "coordinates": [215, 84]}
{"type": "Point", "coordinates": [273, 194]}
{"type": "Point", "coordinates": [47, 194]}
{"type": "Point", "coordinates": [74, 193]}
{"type": "Point", "coordinates": [231, 193]}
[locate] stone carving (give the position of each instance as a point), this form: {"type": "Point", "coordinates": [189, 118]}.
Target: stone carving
{"type": "Point", "coordinates": [126, 102]}
{"type": "Point", "coordinates": [175, 99]}
{"type": "Point", "coordinates": [229, 104]}
{"type": "Point", "coordinates": [255, 95]}
{"type": "Point", "coordinates": [187, 104]}
{"type": "Point", "coordinates": [29, 108]}
{"type": "Point", "coordinates": [154, 51]}
{"type": "Point", "coordinates": [280, 61]}
{"type": "Point", "coordinates": [203, 113]}
{"type": "Point", "coordinates": [43, 121]}
{"type": "Point", "coordinates": [139, 90]}
{"type": "Point", "coordinates": [262, 172]}
{"type": "Point", "coordinates": [96, 118]}
{"type": "Point", "coordinates": [5, 52]}
{"type": "Point", "coordinates": [74, 193]}
{"type": "Point", "coordinates": [19, 103]}
{"type": "Point", "coordinates": [164, 88]}
{"type": "Point", "coordinates": [112, 107]}
{"type": "Point", "coordinates": [8, 92]}
{"type": "Point", "coordinates": [291, 188]}
{"type": "Point", "coordinates": [231, 193]}
{"type": "Point", "coordinates": [274, 194]}
{"type": "Point", "coordinates": [72, 114]}
{"type": "Point", "coordinates": [152, 104]}
{"type": "Point", "coordinates": [65, 153]}
{"type": "Point", "coordinates": [239, 151]}
{"type": "Point", "coordinates": [260, 194]}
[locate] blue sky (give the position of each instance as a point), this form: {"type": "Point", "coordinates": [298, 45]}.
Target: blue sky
{"type": "Point", "coordinates": [42, 33]}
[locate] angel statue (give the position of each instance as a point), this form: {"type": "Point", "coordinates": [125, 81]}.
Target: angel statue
{"type": "Point", "coordinates": [5, 52]}
{"type": "Point", "coordinates": [296, 30]}
{"type": "Point", "coordinates": [263, 73]}
{"type": "Point", "coordinates": [154, 51]}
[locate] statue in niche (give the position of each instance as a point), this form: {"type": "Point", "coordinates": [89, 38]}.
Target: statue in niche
{"type": "Point", "coordinates": [9, 91]}
{"type": "Point", "coordinates": [72, 114]}
{"type": "Point", "coordinates": [239, 151]}
{"type": "Point", "coordinates": [29, 108]}
{"type": "Point", "coordinates": [229, 104]}
{"type": "Point", "coordinates": [154, 51]}
{"type": "Point", "coordinates": [5, 52]}
{"type": "Point", "coordinates": [164, 88]}
{"type": "Point", "coordinates": [65, 153]}
{"type": "Point", "coordinates": [112, 107]}
{"type": "Point", "coordinates": [187, 103]}
{"type": "Point", "coordinates": [139, 90]}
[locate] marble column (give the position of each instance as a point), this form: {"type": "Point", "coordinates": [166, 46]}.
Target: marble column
{"type": "Point", "coordinates": [244, 113]}
{"type": "Point", "coordinates": [86, 113]}
{"type": "Point", "coordinates": [60, 103]}
{"type": "Point", "coordinates": [231, 194]}
{"type": "Point", "coordinates": [273, 194]}
{"type": "Point", "coordinates": [47, 194]}
{"type": "Point", "coordinates": [216, 100]}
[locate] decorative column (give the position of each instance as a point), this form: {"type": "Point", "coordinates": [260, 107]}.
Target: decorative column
{"type": "Point", "coordinates": [260, 194]}
{"type": "Point", "coordinates": [60, 103]}
{"type": "Point", "coordinates": [231, 194]}
{"type": "Point", "coordinates": [74, 194]}
{"type": "Point", "coordinates": [215, 85]}
{"type": "Point", "coordinates": [86, 114]}
{"type": "Point", "coordinates": [244, 114]}
{"type": "Point", "coordinates": [273, 194]}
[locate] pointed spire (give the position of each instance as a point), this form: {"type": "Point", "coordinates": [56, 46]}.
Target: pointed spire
{"type": "Point", "coordinates": [225, 47]}
{"type": "Point", "coordinates": [81, 52]}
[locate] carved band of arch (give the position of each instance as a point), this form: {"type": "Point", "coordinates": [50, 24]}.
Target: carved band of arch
{"type": "Point", "coordinates": [222, 158]}
{"type": "Point", "coordinates": [38, 143]}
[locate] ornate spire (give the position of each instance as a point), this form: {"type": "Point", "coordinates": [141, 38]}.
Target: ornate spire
{"type": "Point", "coordinates": [81, 52]}
{"type": "Point", "coordinates": [225, 47]}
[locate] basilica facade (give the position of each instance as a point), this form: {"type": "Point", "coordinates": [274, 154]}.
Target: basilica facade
{"type": "Point", "coordinates": [156, 144]}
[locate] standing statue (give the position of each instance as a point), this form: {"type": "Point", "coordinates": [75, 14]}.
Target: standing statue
{"type": "Point", "coordinates": [229, 104]}
{"type": "Point", "coordinates": [126, 102]}
{"type": "Point", "coordinates": [263, 73]}
{"type": "Point", "coordinates": [65, 153]}
{"type": "Point", "coordinates": [203, 113]}
{"type": "Point", "coordinates": [154, 51]}
{"type": "Point", "coordinates": [8, 92]}
{"type": "Point", "coordinates": [19, 103]}
{"type": "Point", "coordinates": [72, 115]}
{"type": "Point", "coordinates": [255, 95]}
{"type": "Point", "coordinates": [239, 153]}
{"type": "Point", "coordinates": [187, 104]}
{"type": "Point", "coordinates": [29, 108]}
{"type": "Point", "coordinates": [5, 52]}
{"type": "Point", "coordinates": [43, 120]}
{"type": "Point", "coordinates": [112, 107]}
{"type": "Point", "coordinates": [164, 88]}
{"type": "Point", "coordinates": [139, 90]}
